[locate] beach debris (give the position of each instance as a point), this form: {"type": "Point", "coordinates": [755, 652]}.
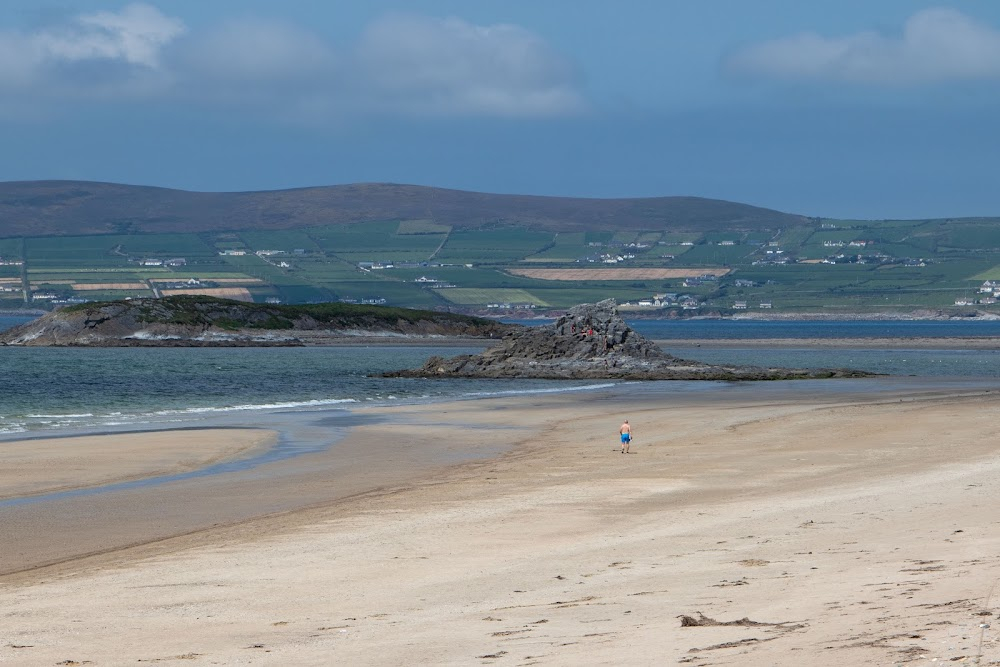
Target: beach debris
{"type": "Point", "coordinates": [737, 582]}
{"type": "Point", "coordinates": [561, 604]}
{"type": "Point", "coordinates": [704, 621]}
{"type": "Point", "coordinates": [498, 654]}
{"type": "Point", "coordinates": [741, 642]}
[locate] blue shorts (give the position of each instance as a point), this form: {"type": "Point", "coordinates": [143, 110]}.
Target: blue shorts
{"type": "Point", "coordinates": [626, 438]}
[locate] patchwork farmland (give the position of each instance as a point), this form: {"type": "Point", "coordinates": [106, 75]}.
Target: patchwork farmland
{"type": "Point", "coordinates": [616, 274]}
{"type": "Point", "coordinates": [427, 248]}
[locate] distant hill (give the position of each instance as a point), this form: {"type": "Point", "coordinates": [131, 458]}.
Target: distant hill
{"type": "Point", "coordinates": [59, 208]}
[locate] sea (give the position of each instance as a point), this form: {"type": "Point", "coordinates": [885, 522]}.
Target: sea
{"type": "Point", "coordinates": [65, 391]}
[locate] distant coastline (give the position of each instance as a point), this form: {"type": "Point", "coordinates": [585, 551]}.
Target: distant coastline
{"type": "Point", "coordinates": [887, 316]}
{"type": "Point", "coordinates": [886, 343]}
{"type": "Point", "coordinates": [9, 312]}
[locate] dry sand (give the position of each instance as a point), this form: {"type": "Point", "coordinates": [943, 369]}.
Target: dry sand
{"type": "Point", "coordinates": [741, 531]}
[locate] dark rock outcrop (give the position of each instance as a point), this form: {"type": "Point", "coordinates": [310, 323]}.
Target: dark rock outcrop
{"type": "Point", "coordinates": [199, 321]}
{"type": "Point", "coordinates": [592, 341]}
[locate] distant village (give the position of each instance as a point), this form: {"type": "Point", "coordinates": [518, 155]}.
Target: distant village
{"type": "Point", "coordinates": [989, 291]}
{"type": "Point", "coordinates": [765, 253]}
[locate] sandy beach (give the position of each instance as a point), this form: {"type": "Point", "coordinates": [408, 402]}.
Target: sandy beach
{"type": "Point", "coordinates": [49, 465]}
{"type": "Point", "coordinates": [780, 524]}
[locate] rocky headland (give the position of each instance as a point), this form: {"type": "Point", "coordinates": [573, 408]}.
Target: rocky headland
{"type": "Point", "coordinates": [199, 321]}
{"type": "Point", "coordinates": [592, 341]}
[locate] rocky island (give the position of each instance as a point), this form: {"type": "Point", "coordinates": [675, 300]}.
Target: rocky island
{"type": "Point", "coordinates": [592, 341]}
{"type": "Point", "coordinates": [201, 321]}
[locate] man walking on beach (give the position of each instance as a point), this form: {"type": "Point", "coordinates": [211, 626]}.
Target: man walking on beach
{"type": "Point", "coordinates": [626, 433]}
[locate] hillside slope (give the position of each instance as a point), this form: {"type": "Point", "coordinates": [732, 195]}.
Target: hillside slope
{"type": "Point", "coordinates": [56, 208]}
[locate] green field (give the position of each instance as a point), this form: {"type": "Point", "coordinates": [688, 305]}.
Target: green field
{"type": "Point", "coordinates": [286, 241]}
{"type": "Point", "coordinates": [408, 227]}
{"type": "Point", "coordinates": [493, 246]}
{"type": "Point", "coordinates": [482, 297]}
{"type": "Point", "coordinates": [904, 265]}
{"type": "Point", "coordinates": [11, 248]}
{"type": "Point", "coordinates": [565, 247]}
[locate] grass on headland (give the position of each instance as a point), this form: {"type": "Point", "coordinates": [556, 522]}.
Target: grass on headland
{"type": "Point", "coordinates": [197, 309]}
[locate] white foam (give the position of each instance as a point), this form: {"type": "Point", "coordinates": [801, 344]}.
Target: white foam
{"type": "Point", "coordinates": [551, 390]}
{"type": "Point", "coordinates": [68, 416]}
{"type": "Point", "coordinates": [264, 406]}
{"type": "Point", "coordinates": [146, 335]}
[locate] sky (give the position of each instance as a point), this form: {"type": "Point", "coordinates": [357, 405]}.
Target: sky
{"type": "Point", "coordinates": [837, 108]}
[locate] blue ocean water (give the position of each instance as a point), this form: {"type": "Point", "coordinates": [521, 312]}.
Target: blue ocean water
{"type": "Point", "coordinates": [8, 321]}
{"type": "Point", "coordinates": [950, 363]}
{"type": "Point", "coordinates": [76, 389]}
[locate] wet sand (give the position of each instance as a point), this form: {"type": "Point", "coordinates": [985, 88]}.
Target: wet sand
{"type": "Point", "coordinates": [50, 465]}
{"type": "Point", "coordinates": [776, 524]}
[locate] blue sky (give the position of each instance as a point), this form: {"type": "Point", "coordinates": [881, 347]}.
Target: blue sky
{"type": "Point", "coordinates": [847, 109]}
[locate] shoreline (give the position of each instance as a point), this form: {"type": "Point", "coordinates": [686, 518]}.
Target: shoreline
{"type": "Point", "coordinates": [531, 537]}
{"type": "Point", "coordinates": [45, 466]}
{"type": "Point", "coordinates": [886, 343]}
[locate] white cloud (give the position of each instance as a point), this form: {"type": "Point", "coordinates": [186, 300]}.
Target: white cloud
{"type": "Point", "coordinates": [450, 66]}
{"type": "Point", "coordinates": [935, 45]}
{"type": "Point", "coordinates": [90, 55]}
{"type": "Point", "coordinates": [134, 36]}
{"type": "Point", "coordinates": [399, 65]}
